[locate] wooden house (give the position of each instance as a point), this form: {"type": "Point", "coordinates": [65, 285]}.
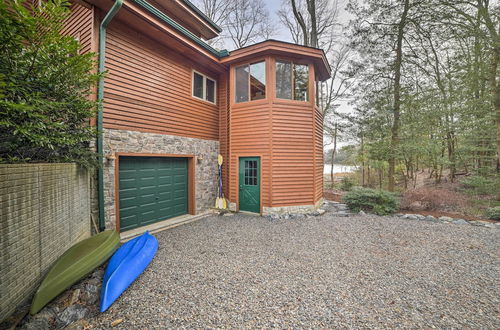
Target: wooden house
{"type": "Point", "coordinates": [172, 103]}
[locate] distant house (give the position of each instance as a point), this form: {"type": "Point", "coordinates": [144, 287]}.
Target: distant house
{"type": "Point", "coordinates": [172, 103]}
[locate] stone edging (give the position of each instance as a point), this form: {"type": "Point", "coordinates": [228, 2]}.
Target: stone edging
{"type": "Point", "coordinates": [457, 221]}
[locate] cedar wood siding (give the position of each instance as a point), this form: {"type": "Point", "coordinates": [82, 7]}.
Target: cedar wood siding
{"type": "Point", "coordinates": [293, 157]}
{"type": "Point", "coordinates": [223, 100]}
{"type": "Point", "coordinates": [318, 149]}
{"type": "Point", "coordinates": [80, 26]}
{"type": "Point", "coordinates": [148, 89]}
{"type": "Point", "coordinates": [250, 136]}
{"type": "Point", "coordinates": [288, 137]}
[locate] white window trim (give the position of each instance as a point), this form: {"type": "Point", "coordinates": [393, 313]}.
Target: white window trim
{"type": "Point", "coordinates": [205, 77]}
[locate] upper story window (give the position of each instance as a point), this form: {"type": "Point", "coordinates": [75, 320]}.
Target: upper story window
{"type": "Point", "coordinates": [204, 87]}
{"type": "Point", "coordinates": [250, 82]}
{"type": "Point", "coordinates": [292, 81]}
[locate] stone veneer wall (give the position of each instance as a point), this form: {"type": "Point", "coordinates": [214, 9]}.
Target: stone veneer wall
{"type": "Point", "coordinates": [138, 142]}
{"type": "Point", "coordinates": [292, 209]}
{"type": "Point", "coordinates": [44, 210]}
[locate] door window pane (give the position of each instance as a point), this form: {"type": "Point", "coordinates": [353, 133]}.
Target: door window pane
{"type": "Point", "coordinates": [284, 80]}
{"type": "Point", "coordinates": [301, 77]}
{"type": "Point", "coordinates": [210, 90]}
{"type": "Point", "coordinates": [251, 172]}
{"type": "Point", "coordinates": [258, 81]}
{"type": "Point", "coordinates": [241, 78]}
{"type": "Point", "coordinates": [198, 85]}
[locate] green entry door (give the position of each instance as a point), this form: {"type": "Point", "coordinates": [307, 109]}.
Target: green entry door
{"type": "Point", "coordinates": [249, 184]}
{"type": "Point", "coordinates": [151, 189]}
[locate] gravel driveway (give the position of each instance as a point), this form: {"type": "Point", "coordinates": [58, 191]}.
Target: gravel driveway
{"type": "Point", "coordinates": [363, 271]}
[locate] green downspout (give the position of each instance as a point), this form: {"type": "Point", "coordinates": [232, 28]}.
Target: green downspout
{"type": "Point", "coordinates": [100, 97]}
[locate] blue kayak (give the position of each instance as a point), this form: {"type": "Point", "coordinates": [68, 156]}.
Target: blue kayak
{"type": "Point", "coordinates": [128, 262]}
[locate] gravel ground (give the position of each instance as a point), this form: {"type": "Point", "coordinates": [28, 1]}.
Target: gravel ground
{"type": "Point", "coordinates": [244, 271]}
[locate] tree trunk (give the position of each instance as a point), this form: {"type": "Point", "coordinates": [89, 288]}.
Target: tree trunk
{"type": "Point", "coordinates": [362, 161]}
{"type": "Point", "coordinates": [300, 20]}
{"type": "Point", "coordinates": [311, 8]}
{"type": "Point", "coordinates": [397, 96]}
{"type": "Point", "coordinates": [333, 151]}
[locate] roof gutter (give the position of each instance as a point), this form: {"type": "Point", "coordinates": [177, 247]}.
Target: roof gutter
{"type": "Point", "coordinates": [100, 97]}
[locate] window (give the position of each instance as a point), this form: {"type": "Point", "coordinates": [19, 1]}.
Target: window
{"type": "Point", "coordinates": [250, 80]}
{"type": "Point", "coordinates": [292, 81]}
{"type": "Point", "coordinates": [284, 80]}
{"type": "Point", "coordinates": [203, 87]}
{"type": "Point", "coordinates": [251, 173]}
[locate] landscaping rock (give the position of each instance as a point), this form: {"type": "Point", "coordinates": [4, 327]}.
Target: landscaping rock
{"type": "Point", "coordinates": [477, 223]}
{"type": "Point", "coordinates": [90, 294]}
{"type": "Point", "coordinates": [429, 218]}
{"type": "Point", "coordinates": [36, 324]}
{"type": "Point", "coordinates": [446, 219]}
{"type": "Point", "coordinates": [321, 211]}
{"type": "Point", "coordinates": [490, 225]}
{"type": "Point", "coordinates": [71, 314]}
{"type": "Point", "coordinates": [42, 320]}
{"type": "Point", "coordinates": [74, 297]}
{"type": "Point", "coordinates": [410, 216]}
{"type": "Point", "coordinates": [361, 212]}
{"type": "Point", "coordinates": [78, 325]}
{"type": "Point", "coordinates": [273, 217]}
{"type": "Point", "coordinates": [460, 222]}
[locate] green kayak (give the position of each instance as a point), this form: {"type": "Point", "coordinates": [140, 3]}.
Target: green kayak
{"type": "Point", "coordinates": [77, 262]}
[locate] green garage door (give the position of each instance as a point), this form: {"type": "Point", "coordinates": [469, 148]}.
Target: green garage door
{"type": "Point", "coordinates": [151, 189]}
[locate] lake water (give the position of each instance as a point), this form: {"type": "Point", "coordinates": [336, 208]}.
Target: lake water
{"type": "Point", "coordinates": [338, 168]}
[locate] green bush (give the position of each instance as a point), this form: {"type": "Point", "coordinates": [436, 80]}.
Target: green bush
{"type": "Point", "coordinates": [370, 200]}
{"type": "Point", "coordinates": [481, 185]}
{"type": "Point", "coordinates": [346, 183]}
{"type": "Point", "coordinates": [493, 213]}
{"type": "Point", "coordinates": [45, 84]}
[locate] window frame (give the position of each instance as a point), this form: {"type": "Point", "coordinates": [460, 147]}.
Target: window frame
{"type": "Point", "coordinates": [204, 88]}
{"type": "Point", "coordinates": [294, 62]}
{"type": "Point", "coordinates": [248, 64]}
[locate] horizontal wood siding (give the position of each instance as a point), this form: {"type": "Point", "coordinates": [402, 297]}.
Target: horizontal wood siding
{"type": "Point", "coordinates": [318, 150]}
{"type": "Point", "coordinates": [148, 88]}
{"type": "Point", "coordinates": [79, 25]}
{"type": "Point", "coordinates": [293, 163]}
{"type": "Point", "coordinates": [250, 136]}
{"type": "Point", "coordinates": [224, 131]}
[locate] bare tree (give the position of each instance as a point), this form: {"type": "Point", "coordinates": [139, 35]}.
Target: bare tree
{"type": "Point", "coordinates": [218, 11]}
{"type": "Point", "coordinates": [248, 22]}
{"type": "Point", "coordinates": [311, 22]}
{"type": "Point", "coordinates": [242, 21]}
{"type": "Point", "coordinates": [397, 94]}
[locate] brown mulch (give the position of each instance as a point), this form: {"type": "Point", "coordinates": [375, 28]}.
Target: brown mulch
{"type": "Point", "coordinates": [332, 196]}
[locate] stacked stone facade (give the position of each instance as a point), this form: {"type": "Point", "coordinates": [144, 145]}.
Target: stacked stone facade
{"type": "Point", "coordinates": [206, 168]}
